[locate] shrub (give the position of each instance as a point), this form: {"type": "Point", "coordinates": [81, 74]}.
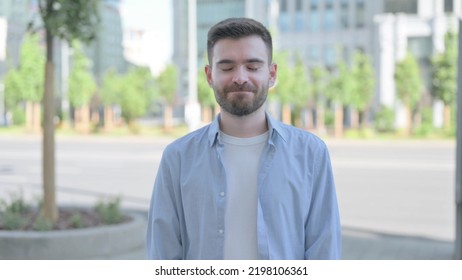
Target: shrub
{"type": "Point", "coordinates": [385, 119]}
{"type": "Point", "coordinates": [426, 127]}
{"type": "Point", "coordinates": [109, 211]}
{"type": "Point", "coordinates": [12, 221]}
{"type": "Point", "coordinates": [76, 221]}
{"type": "Point", "coordinates": [42, 224]}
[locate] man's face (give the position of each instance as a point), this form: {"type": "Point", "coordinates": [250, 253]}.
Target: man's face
{"type": "Point", "coordinates": [240, 74]}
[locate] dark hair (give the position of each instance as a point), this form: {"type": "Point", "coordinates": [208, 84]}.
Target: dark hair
{"type": "Point", "coordinates": [236, 28]}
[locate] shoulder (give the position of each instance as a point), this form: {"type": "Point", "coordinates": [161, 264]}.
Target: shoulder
{"type": "Point", "coordinates": [297, 137]}
{"type": "Point", "coordinates": [191, 141]}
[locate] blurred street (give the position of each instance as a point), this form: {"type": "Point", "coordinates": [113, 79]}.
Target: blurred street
{"type": "Point", "coordinates": [396, 198]}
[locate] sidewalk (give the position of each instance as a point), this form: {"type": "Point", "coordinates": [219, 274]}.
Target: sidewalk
{"type": "Point", "coordinates": [367, 245]}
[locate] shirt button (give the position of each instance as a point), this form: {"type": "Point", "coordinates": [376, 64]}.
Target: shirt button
{"type": "Point", "coordinates": [221, 231]}
{"type": "Point", "coordinates": [222, 194]}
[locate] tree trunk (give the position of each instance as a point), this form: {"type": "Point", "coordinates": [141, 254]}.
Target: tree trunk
{"type": "Point", "coordinates": [408, 125]}
{"type": "Point", "coordinates": [320, 125]}
{"type": "Point", "coordinates": [168, 117]}
{"type": "Point", "coordinates": [49, 211]}
{"type": "Point", "coordinates": [82, 119]}
{"type": "Point", "coordinates": [354, 119]}
{"type": "Point", "coordinates": [338, 122]}
{"type": "Point", "coordinates": [108, 118]}
{"type": "Point", "coordinates": [29, 116]}
{"type": "Point", "coordinates": [206, 114]}
{"type": "Point", "coordinates": [37, 112]}
{"type": "Point", "coordinates": [85, 119]}
{"type": "Point", "coordinates": [286, 114]}
{"type": "Point", "coordinates": [307, 119]}
{"type": "Point", "coordinates": [447, 117]}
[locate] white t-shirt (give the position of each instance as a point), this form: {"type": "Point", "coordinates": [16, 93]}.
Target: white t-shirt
{"type": "Point", "coordinates": [241, 160]}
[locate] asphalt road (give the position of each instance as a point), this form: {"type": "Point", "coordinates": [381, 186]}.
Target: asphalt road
{"type": "Point", "coordinates": [399, 187]}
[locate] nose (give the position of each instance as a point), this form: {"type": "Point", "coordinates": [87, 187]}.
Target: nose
{"type": "Point", "coordinates": [240, 76]}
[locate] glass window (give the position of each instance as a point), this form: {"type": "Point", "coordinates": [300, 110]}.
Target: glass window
{"type": "Point", "coordinates": [314, 4]}
{"type": "Point", "coordinates": [345, 54]}
{"type": "Point", "coordinates": [284, 22]}
{"type": "Point", "coordinates": [299, 5]}
{"type": "Point", "coordinates": [329, 20]}
{"type": "Point", "coordinates": [360, 13]}
{"type": "Point", "coordinates": [299, 21]}
{"type": "Point", "coordinates": [422, 49]}
{"type": "Point", "coordinates": [329, 56]}
{"type": "Point", "coordinates": [344, 18]}
{"type": "Point", "coordinates": [314, 20]}
{"type": "Point", "coordinates": [329, 15]}
{"type": "Point", "coordinates": [401, 6]}
{"type": "Point", "coordinates": [314, 17]}
{"type": "Point", "coordinates": [283, 16]}
{"type": "Point", "coordinates": [449, 6]}
{"type": "Point", "coordinates": [314, 54]}
{"type": "Point", "coordinates": [420, 46]}
{"type": "Point", "coordinates": [283, 6]}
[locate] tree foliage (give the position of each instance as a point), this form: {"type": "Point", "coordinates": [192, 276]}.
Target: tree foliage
{"type": "Point", "coordinates": [205, 93]}
{"type": "Point", "coordinates": [111, 88]}
{"type": "Point", "coordinates": [341, 85]}
{"type": "Point", "coordinates": [71, 19]}
{"type": "Point", "coordinates": [301, 92]}
{"type": "Point", "coordinates": [444, 72]}
{"type": "Point", "coordinates": [318, 83]}
{"type": "Point", "coordinates": [363, 85]}
{"type": "Point", "coordinates": [285, 79]}
{"type": "Point", "coordinates": [408, 81]}
{"type": "Point", "coordinates": [136, 93]}
{"type": "Point", "coordinates": [167, 84]}
{"type": "Point", "coordinates": [25, 83]}
{"type": "Point", "coordinates": [82, 85]}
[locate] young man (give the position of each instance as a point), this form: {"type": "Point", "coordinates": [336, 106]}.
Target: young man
{"type": "Point", "coordinates": [245, 186]}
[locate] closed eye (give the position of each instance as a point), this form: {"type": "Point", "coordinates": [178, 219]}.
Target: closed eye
{"type": "Point", "coordinates": [253, 67]}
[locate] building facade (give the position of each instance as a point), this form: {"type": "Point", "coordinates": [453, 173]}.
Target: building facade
{"type": "Point", "coordinates": [208, 12]}
{"type": "Point", "coordinates": [14, 18]}
{"type": "Point", "coordinates": [106, 51]}
{"type": "Point", "coordinates": [323, 32]}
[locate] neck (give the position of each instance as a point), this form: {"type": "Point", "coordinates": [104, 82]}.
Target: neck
{"type": "Point", "coordinates": [244, 126]}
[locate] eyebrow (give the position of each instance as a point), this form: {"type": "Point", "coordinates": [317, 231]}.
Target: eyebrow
{"type": "Point", "coordinates": [229, 61]}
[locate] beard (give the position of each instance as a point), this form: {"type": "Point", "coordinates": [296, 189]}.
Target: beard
{"type": "Point", "coordinates": [239, 104]}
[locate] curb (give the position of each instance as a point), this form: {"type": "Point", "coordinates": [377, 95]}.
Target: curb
{"type": "Point", "coordinates": [105, 242]}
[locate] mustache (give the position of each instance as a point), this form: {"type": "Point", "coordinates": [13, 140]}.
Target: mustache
{"type": "Point", "coordinates": [244, 87]}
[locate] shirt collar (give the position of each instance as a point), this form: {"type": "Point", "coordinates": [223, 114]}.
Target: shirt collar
{"type": "Point", "coordinates": [275, 129]}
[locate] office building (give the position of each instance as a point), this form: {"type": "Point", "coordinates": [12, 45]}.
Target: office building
{"type": "Point", "coordinates": [323, 32]}
{"type": "Point", "coordinates": [208, 12]}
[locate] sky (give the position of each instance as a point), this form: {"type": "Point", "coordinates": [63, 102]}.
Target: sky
{"type": "Point", "coordinates": [156, 18]}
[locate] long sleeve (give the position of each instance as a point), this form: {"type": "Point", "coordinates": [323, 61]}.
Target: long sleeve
{"type": "Point", "coordinates": [163, 234]}
{"type": "Point", "coordinates": [322, 230]}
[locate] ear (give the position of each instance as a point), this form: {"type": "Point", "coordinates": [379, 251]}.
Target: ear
{"type": "Point", "coordinates": [273, 71]}
{"type": "Point", "coordinates": [208, 74]}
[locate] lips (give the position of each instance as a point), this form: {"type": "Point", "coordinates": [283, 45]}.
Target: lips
{"type": "Point", "coordinates": [240, 89]}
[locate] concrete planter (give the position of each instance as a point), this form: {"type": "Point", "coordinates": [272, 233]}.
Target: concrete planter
{"type": "Point", "coordinates": [121, 241]}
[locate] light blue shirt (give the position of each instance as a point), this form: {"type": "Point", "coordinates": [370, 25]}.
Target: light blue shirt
{"type": "Point", "coordinates": [297, 215]}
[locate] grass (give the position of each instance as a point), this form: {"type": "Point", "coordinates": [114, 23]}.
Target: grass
{"type": "Point", "coordinates": [17, 214]}
{"type": "Point", "coordinates": [178, 131]}
{"type": "Point", "coordinates": [122, 131]}
{"type": "Point", "coordinates": [370, 134]}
